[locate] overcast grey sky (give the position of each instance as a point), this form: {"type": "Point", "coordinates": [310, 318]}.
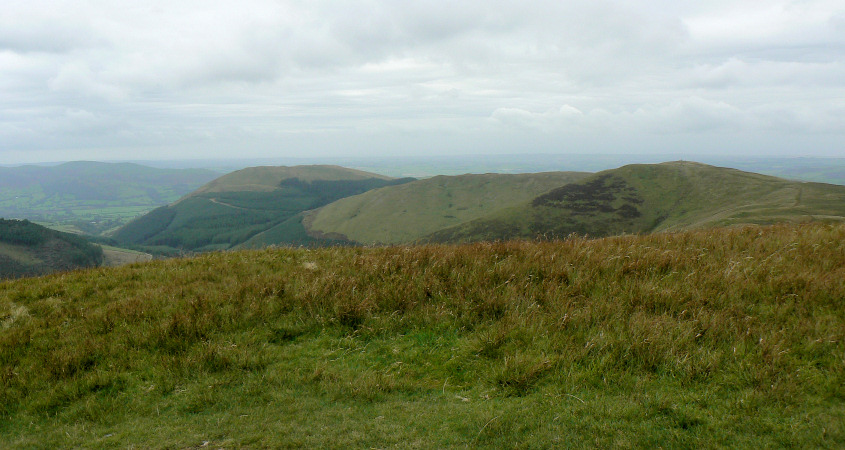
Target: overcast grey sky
{"type": "Point", "coordinates": [224, 79]}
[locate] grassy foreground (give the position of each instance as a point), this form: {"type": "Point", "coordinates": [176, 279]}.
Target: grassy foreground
{"type": "Point", "coordinates": [729, 337]}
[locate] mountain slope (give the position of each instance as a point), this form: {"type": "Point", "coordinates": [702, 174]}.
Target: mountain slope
{"type": "Point", "coordinates": [658, 197]}
{"type": "Point", "coordinates": [403, 214]}
{"type": "Point", "coordinates": [92, 196]}
{"type": "Point", "coordinates": [28, 249]}
{"type": "Point", "coordinates": [235, 207]}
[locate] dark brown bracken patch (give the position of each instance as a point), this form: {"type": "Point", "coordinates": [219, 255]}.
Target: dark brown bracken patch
{"type": "Point", "coordinates": [596, 196]}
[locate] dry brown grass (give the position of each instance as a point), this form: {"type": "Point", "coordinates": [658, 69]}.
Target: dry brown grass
{"type": "Point", "coordinates": [709, 338]}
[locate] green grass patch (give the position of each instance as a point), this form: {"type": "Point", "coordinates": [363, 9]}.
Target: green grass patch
{"type": "Point", "coordinates": [720, 338]}
{"type": "Point", "coordinates": [403, 214]}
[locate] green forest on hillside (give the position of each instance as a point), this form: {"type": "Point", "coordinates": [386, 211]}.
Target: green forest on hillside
{"type": "Point", "coordinates": [730, 337]}
{"type": "Point", "coordinates": [27, 249]}
{"type": "Point", "coordinates": [219, 219]}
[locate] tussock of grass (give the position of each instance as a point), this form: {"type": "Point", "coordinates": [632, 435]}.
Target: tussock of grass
{"type": "Point", "coordinates": [730, 337]}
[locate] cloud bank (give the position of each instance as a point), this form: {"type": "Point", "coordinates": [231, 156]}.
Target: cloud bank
{"type": "Point", "coordinates": [217, 79]}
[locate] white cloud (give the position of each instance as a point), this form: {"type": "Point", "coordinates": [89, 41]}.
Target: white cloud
{"type": "Point", "coordinates": [690, 115]}
{"type": "Point", "coordinates": [735, 72]}
{"type": "Point", "coordinates": [261, 77]}
{"type": "Point", "coordinates": [766, 24]}
{"type": "Point", "coordinates": [78, 79]}
{"type": "Point", "coordinates": [686, 115]}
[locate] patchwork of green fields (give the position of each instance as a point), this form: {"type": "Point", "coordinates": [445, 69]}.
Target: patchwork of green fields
{"type": "Point", "coordinates": [91, 197]}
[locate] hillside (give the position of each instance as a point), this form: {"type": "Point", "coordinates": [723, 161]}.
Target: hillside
{"type": "Point", "coordinates": [267, 178]}
{"type": "Point", "coordinates": [403, 214]}
{"type": "Point", "coordinates": [656, 197]}
{"type": "Point", "coordinates": [91, 196]}
{"type": "Point", "coordinates": [27, 249]}
{"type": "Point", "coordinates": [701, 339]}
{"type": "Point", "coordinates": [230, 210]}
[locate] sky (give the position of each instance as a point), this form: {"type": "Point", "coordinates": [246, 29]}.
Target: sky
{"type": "Point", "coordinates": [112, 80]}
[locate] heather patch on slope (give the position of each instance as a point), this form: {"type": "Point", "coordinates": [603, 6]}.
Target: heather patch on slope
{"type": "Point", "coordinates": [645, 198]}
{"type": "Point", "coordinates": [727, 337]}
{"type": "Point", "coordinates": [404, 214]}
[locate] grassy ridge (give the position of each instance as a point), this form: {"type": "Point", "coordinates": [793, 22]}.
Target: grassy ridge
{"type": "Point", "coordinates": [403, 214]}
{"type": "Point", "coordinates": [727, 337]}
{"type": "Point", "coordinates": [645, 198]}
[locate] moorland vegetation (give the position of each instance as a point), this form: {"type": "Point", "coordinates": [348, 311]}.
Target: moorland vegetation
{"type": "Point", "coordinates": [727, 337]}
{"type": "Point", "coordinates": [639, 198]}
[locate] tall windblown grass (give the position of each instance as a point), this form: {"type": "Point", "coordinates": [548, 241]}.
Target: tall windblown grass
{"type": "Point", "coordinates": [720, 337]}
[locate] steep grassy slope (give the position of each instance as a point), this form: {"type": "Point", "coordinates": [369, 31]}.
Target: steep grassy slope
{"type": "Point", "coordinates": [403, 214]}
{"type": "Point", "coordinates": [290, 232]}
{"type": "Point", "coordinates": [647, 198]}
{"type": "Point", "coordinates": [92, 196]}
{"type": "Point", "coordinates": [27, 249]}
{"type": "Point", "coordinates": [232, 209]}
{"type": "Point", "coordinates": [721, 338]}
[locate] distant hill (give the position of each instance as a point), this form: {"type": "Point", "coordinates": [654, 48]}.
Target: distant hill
{"type": "Point", "coordinates": [230, 210]}
{"type": "Point", "coordinates": [656, 197]}
{"type": "Point", "coordinates": [820, 170]}
{"type": "Point", "coordinates": [28, 249]}
{"type": "Point", "coordinates": [318, 205]}
{"type": "Point", "coordinates": [92, 196]}
{"type": "Point", "coordinates": [403, 214]}
{"type": "Point", "coordinates": [267, 178]}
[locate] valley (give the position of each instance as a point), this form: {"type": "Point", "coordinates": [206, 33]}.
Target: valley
{"type": "Point", "coordinates": [326, 205]}
{"type": "Point", "coordinates": [92, 197]}
{"type": "Point", "coordinates": [283, 224]}
{"type": "Point", "coordinates": [674, 304]}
